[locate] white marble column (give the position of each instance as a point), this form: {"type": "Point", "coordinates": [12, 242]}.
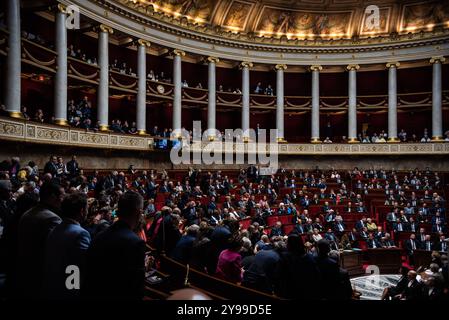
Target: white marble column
{"type": "Point", "coordinates": [60, 94]}
{"type": "Point", "coordinates": [13, 60]}
{"type": "Point", "coordinates": [103, 86]}
{"type": "Point", "coordinates": [352, 103]}
{"type": "Point", "coordinates": [177, 94]}
{"type": "Point", "coordinates": [437, 112]}
{"type": "Point", "coordinates": [392, 102]}
{"type": "Point", "coordinates": [280, 101]}
{"type": "Point", "coordinates": [212, 97]}
{"type": "Point", "coordinates": [141, 114]}
{"type": "Point", "coordinates": [316, 103]}
{"type": "Point", "coordinates": [245, 66]}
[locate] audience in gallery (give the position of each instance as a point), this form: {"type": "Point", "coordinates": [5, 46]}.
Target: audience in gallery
{"type": "Point", "coordinates": [76, 119]}
{"type": "Point", "coordinates": [96, 219]}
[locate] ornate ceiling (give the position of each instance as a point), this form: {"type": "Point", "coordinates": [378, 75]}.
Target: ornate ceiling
{"type": "Point", "coordinates": [300, 19]}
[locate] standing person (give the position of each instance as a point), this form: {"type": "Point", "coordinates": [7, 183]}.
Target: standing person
{"type": "Point", "coordinates": [296, 275]}
{"type": "Point", "coordinates": [73, 167]}
{"type": "Point", "coordinates": [34, 228]}
{"type": "Point", "coordinates": [116, 258]}
{"type": "Point", "coordinates": [67, 245]}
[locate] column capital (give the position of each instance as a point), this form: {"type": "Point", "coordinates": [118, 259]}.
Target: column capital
{"type": "Point", "coordinates": [177, 52]}
{"type": "Point", "coordinates": [280, 67]}
{"type": "Point", "coordinates": [212, 60]}
{"type": "Point", "coordinates": [392, 64]}
{"type": "Point", "coordinates": [316, 68]}
{"type": "Point", "coordinates": [61, 8]}
{"type": "Point", "coordinates": [105, 28]}
{"type": "Point", "coordinates": [246, 64]}
{"type": "Point", "coordinates": [439, 59]}
{"type": "Point", "coordinates": [144, 43]}
{"type": "Point", "coordinates": [352, 67]}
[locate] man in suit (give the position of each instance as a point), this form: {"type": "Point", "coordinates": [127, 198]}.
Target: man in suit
{"type": "Point", "coordinates": [67, 245]}
{"type": "Point", "coordinates": [386, 241]}
{"type": "Point", "coordinates": [399, 226]}
{"type": "Point", "coordinates": [379, 234]}
{"type": "Point", "coordinates": [427, 244]}
{"type": "Point", "coordinates": [345, 287]}
{"type": "Point", "coordinates": [330, 271]}
{"type": "Point", "coordinates": [411, 245]}
{"type": "Point", "coordinates": [339, 227]}
{"type": "Point", "coordinates": [73, 167]}
{"type": "Point", "coordinates": [116, 258]}
{"type": "Point", "coordinates": [431, 291]}
{"type": "Point", "coordinates": [421, 235]}
{"type": "Point", "coordinates": [182, 251]}
{"type": "Point", "coordinates": [438, 227]}
{"type": "Point", "coordinates": [361, 224]}
{"type": "Point", "coordinates": [276, 231]}
{"type": "Point", "coordinates": [299, 228]}
{"type": "Point", "coordinates": [261, 272]}
{"type": "Point", "coordinates": [296, 262]}
{"type": "Point", "coordinates": [372, 242]}
{"type": "Point", "coordinates": [393, 216]}
{"type": "Point", "coordinates": [412, 225]}
{"type": "Point", "coordinates": [51, 166]}
{"type": "Point", "coordinates": [413, 289]}
{"type": "Point", "coordinates": [34, 227]}
{"type": "Point", "coordinates": [442, 245]}
{"type": "Point", "coordinates": [364, 233]}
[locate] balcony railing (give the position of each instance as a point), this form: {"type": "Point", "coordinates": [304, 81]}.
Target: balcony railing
{"type": "Point", "coordinates": [32, 132]}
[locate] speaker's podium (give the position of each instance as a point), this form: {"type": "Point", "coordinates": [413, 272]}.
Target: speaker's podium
{"type": "Point", "coordinates": [388, 260]}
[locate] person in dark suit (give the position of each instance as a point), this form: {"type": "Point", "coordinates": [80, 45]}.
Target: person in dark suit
{"type": "Point", "coordinates": [34, 227]}
{"type": "Point", "coordinates": [51, 166]}
{"type": "Point", "coordinates": [67, 245]}
{"type": "Point", "coordinates": [295, 262]}
{"type": "Point", "coordinates": [276, 231]}
{"type": "Point", "coordinates": [430, 291]}
{"type": "Point", "coordinates": [387, 242]}
{"type": "Point", "coordinates": [116, 258]}
{"type": "Point", "coordinates": [261, 272]}
{"type": "Point", "coordinates": [330, 272]}
{"type": "Point", "coordinates": [427, 244]}
{"type": "Point", "coordinates": [413, 289]}
{"type": "Point", "coordinates": [421, 235]}
{"type": "Point", "coordinates": [73, 167]}
{"type": "Point", "coordinates": [361, 224]}
{"type": "Point", "coordinates": [182, 250]}
{"type": "Point", "coordinates": [372, 242]}
{"type": "Point", "coordinates": [345, 287]}
{"type": "Point", "coordinates": [442, 245]}
{"type": "Point", "coordinates": [410, 246]}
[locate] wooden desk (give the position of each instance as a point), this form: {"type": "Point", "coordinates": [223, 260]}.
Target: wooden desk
{"type": "Point", "coordinates": [352, 261]}
{"type": "Point", "coordinates": [422, 258]}
{"type": "Point", "coordinates": [388, 260]}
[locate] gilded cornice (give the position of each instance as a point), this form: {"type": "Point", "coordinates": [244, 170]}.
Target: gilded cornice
{"type": "Point", "coordinates": [219, 36]}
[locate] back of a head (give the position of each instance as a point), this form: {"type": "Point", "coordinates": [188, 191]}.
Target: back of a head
{"type": "Point", "coordinates": [72, 205]}
{"type": "Point", "coordinates": [193, 230]}
{"type": "Point", "coordinates": [49, 191]}
{"type": "Point", "coordinates": [295, 244]}
{"type": "Point", "coordinates": [323, 248]}
{"type": "Point", "coordinates": [129, 204]}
